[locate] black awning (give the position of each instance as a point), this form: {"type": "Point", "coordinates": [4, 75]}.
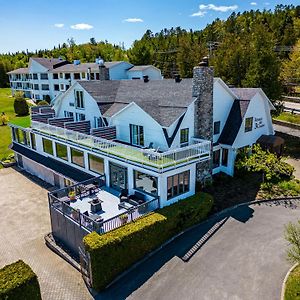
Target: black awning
{"type": "Point", "coordinates": [53, 164]}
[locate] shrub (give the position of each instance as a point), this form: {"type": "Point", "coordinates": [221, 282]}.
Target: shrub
{"type": "Point", "coordinates": [43, 102]}
{"type": "Point", "coordinates": [20, 105]}
{"type": "Point", "coordinates": [18, 281]}
{"type": "Point", "coordinates": [113, 252]}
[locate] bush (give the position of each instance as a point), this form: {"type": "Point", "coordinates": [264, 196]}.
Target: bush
{"type": "Point", "coordinates": [113, 252]}
{"type": "Point", "coordinates": [20, 105]}
{"type": "Point", "coordinates": [18, 281]}
{"type": "Point", "coordinates": [43, 102]}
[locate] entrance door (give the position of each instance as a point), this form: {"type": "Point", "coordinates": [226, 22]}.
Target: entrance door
{"type": "Point", "coordinates": [118, 177]}
{"type": "Point", "coordinates": [56, 180]}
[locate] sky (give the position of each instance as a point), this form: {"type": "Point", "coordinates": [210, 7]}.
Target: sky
{"type": "Point", "coordinates": [41, 24]}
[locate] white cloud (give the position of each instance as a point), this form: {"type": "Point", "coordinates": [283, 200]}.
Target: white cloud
{"type": "Point", "coordinates": [267, 3]}
{"type": "Point", "coordinates": [253, 3]}
{"type": "Point", "coordinates": [82, 26]}
{"type": "Point", "coordinates": [204, 8]}
{"type": "Point", "coordinates": [133, 20]}
{"type": "Point", "coordinates": [59, 25]}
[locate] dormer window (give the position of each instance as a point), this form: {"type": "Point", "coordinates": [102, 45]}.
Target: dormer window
{"type": "Point", "coordinates": [217, 126]}
{"type": "Point", "coordinates": [136, 135]}
{"type": "Point", "coordinates": [79, 99]}
{"type": "Point", "coordinates": [248, 124]}
{"type": "Point", "coordinates": [184, 137]}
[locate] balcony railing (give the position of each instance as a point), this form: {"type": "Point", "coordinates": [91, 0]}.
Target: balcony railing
{"type": "Point", "coordinates": [198, 150]}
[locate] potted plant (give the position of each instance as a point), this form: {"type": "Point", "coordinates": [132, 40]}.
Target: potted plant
{"type": "Point", "coordinates": [8, 161]}
{"type": "Point", "coordinates": [123, 218]}
{"type": "Point", "coordinates": [72, 195]}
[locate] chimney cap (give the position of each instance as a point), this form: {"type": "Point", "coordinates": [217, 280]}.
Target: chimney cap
{"type": "Point", "coordinates": [204, 62]}
{"type": "Point", "coordinates": [146, 78]}
{"type": "Point", "coordinates": [177, 78]}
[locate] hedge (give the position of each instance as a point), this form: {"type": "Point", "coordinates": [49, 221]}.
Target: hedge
{"type": "Point", "coordinates": [112, 253]}
{"type": "Point", "coordinates": [18, 281]}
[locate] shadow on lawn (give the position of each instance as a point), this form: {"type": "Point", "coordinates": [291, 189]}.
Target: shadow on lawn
{"type": "Point", "coordinates": [177, 248]}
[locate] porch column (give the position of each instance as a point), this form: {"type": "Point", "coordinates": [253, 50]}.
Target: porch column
{"type": "Point", "coordinates": [130, 179]}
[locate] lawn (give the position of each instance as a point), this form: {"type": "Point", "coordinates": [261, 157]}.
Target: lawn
{"type": "Point", "coordinates": [7, 106]}
{"type": "Point", "coordinates": [292, 291]}
{"type": "Point", "coordinates": [289, 117]}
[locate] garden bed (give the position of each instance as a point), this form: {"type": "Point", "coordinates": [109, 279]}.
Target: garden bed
{"type": "Point", "coordinates": [292, 286]}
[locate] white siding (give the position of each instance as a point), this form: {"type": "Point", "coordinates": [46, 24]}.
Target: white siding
{"type": "Point", "coordinates": [119, 71]}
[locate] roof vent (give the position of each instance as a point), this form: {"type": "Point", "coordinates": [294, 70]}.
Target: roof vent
{"type": "Point", "coordinates": [100, 61]}
{"type": "Point", "coordinates": [146, 78]}
{"type": "Point", "coordinates": [177, 78]}
{"type": "Point", "coordinates": [76, 62]}
{"type": "Point", "coordinates": [204, 62]}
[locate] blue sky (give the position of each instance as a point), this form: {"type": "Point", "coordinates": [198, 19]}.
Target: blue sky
{"type": "Point", "coordinates": [35, 24]}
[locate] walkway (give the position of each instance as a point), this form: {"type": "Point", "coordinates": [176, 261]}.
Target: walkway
{"type": "Point", "coordinates": [244, 259]}
{"type": "Point", "coordinates": [287, 130]}
{"type": "Point", "coordinates": [24, 220]}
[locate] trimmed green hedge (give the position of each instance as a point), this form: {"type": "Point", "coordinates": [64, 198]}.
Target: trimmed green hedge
{"type": "Point", "coordinates": [18, 281]}
{"type": "Point", "coordinates": [112, 253]}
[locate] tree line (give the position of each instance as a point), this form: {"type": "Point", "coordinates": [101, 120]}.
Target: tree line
{"type": "Point", "coordinates": [246, 50]}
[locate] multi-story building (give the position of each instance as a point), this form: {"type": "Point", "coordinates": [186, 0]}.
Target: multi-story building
{"type": "Point", "coordinates": [154, 137]}
{"type": "Point", "coordinates": [45, 78]}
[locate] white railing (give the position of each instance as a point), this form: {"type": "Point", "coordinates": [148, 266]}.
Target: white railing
{"type": "Point", "coordinates": [198, 150]}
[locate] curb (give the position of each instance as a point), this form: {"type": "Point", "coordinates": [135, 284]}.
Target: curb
{"type": "Point", "coordinates": [193, 227]}
{"type": "Point", "coordinates": [285, 280]}
{"type": "Point", "coordinates": [286, 124]}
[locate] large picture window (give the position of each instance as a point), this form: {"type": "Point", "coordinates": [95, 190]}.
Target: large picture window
{"type": "Point", "coordinates": [61, 151]}
{"type": "Point", "coordinates": [178, 184]}
{"type": "Point", "coordinates": [136, 135]}
{"type": "Point", "coordinates": [248, 124]}
{"type": "Point", "coordinates": [145, 183]}
{"type": "Point", "coordinates": [79, 99]}
{"type": "Point", "coordinates": [47, 146]}
{"type": "Point", "coordinates": [77, 157]}
{"type": "Point", "coordinates": [96, 164]}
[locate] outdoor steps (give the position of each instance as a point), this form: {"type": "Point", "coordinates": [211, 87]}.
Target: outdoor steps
{"type": "Point", "coordinates": [204, 239]}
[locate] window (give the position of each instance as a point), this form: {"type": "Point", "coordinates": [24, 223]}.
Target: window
{"type": "Point", "coordinates": [44, 76]}
{"type": "Point", "coordinates": [68, 182]}
{"type": "Point", "coordinates": [77, 157]}
{"type": "Point", "coordinates": [92, 76]}
{"type": "Point", "coordinates": [79, 99]}
{"type": "Point", "coordinates": [224, 157]}
{"type": "Point", "coordinates": [184, 137]}
{"type": "Point", "coordinates": [36, 87]}
{"type": "Point", "coordinates": [178, 184]}
{"type": "Point", "coordinates": [45, 87]}
{"type": "Point", "coordinates": [98, 122]}
{"type": "Point", "coordinates": [61, 75]}
{"type": "Point", "coordinates": [46, 97]}
{"type": "Point", "coordinates": [33, 143]}
{"type": "Point", "coordinates": [97, 76]}
{"type": "Point", "coordinates": [56, 87]}
{"type": "Point", "coordinates": [62, 87]}
{"type": "Point", "coordinates": [47, 146]}
{"type": "Point", "coordinates": [136, 135]}
{"type": "Point", "coordinates": [82, 75]}
{"type": "Point", "coordinates": [217, 126]}
{"type": "Point", "coordinates": [55, 76]}
{"type": "Point", "coordinates": [216, 158]}
{"type": "Point", "coordinates": [61, 151]}
{"type": "Point", "coordinates": [67, 86]}
{"type": "Point", "coordinates": [37, 96]}
{"type": "Point", "coordinates": [67, 76]}
{"type": "Point", "coordinates": [68, 114]}
{"type": "Point", "coordinates": [96, 164]}
{"type": "Point", "coordinates": [145, 183]}
{"type": "Point", "coordinates": [80, 117]}
{"type": "Point", "coordinates": [77, 76]}
{"type": "Point", "coordinates": [35, 76]}
{"type": "Point", "coordinates": [248, 124]}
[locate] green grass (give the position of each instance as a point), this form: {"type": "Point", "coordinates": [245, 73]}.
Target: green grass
{"type": "Point", "coordinates": [289, 117]}
{"type": "Point", "coordinates": [7, 106]}
{"type": "Point", "coordinates": [292, 291]}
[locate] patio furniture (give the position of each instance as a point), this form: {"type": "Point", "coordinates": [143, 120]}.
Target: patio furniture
{"type": "Point", "coordinates": [123, 195]}
{"type": "Point", "coordinates": [138, 197]}
{"type": "Point", "coordinates": [125, 205]}
{"type": "Point", "coordinates": [96, 205]}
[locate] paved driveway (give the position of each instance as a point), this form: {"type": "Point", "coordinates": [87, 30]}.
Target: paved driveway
{"type": "Point", "coordinates": [24, 220]}
{"type": "Point", "coordinates": [244, 259]}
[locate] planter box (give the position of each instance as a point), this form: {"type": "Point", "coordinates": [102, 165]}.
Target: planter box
{"type": "Point", "coordinates": [7, 165]}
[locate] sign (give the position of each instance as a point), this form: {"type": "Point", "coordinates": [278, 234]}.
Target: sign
{"type": "Point", "coordinates": [258, 123]}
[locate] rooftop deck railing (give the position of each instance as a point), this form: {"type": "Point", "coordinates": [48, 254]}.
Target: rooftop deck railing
{"type": "Point", "coordinates": [197, 150]}
{"type": "Point", "coordinates": [88, 223]}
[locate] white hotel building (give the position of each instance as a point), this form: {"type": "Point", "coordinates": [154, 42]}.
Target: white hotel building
{"type": "Point", "coordinates": [47, 78]}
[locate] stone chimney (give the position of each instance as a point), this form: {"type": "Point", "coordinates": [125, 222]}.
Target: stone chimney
{"type": "Point", "coordinates": [103, 71]}
{"type": "Point", "coordinates": [203, 82]}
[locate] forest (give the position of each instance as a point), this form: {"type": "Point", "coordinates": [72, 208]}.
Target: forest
{"type": "Point", "coordinates": [249, 49]}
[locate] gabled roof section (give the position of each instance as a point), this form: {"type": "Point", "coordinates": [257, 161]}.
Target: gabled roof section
{"type": "Point", "coordinates": [234, 122]}
{"type": "Point", "coordinates": [50, 63]}
{"type": "Point", "coordinates": [164, 100]}
{"type": "Point", "coordinates": [19, 71]}
{"type": "Point", "coordinates": [245, 93]}
{"type": "Point", "coordinates": [141, 68]}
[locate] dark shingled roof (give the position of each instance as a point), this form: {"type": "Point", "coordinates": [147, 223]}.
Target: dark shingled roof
{"type": "Point", "coordinates": [164, 100]}
{"type": "Point", "coordinates": [53, 164]}
{"type": "Point", "coordinates": [19, 71]}
{"type": "Point", "coordinates": [245, 93]}
{"type": "Point", "coordinates": [140, 68]}
{"type": "Point", "coordinates": [233, 122]}
{"type": "Point", "coordinates": [50, 63]}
